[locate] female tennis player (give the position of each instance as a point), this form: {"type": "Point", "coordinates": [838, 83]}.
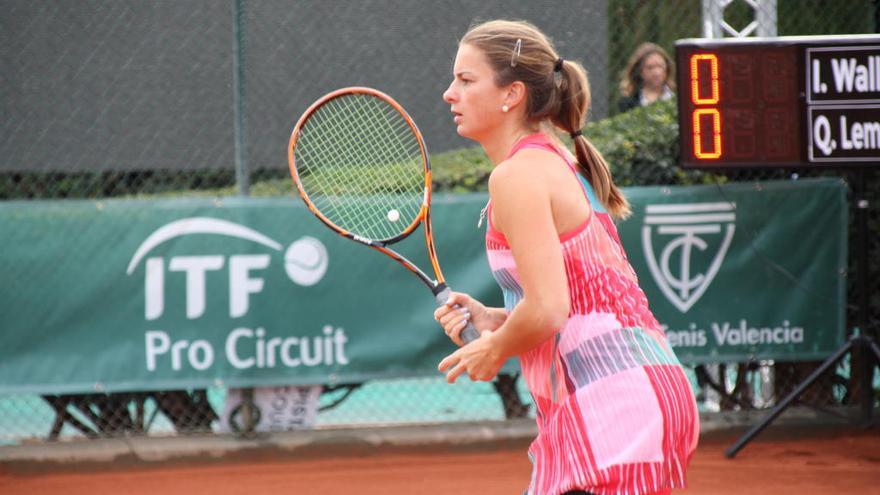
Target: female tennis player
{"type": "Point", "coordinates": [615, 411]}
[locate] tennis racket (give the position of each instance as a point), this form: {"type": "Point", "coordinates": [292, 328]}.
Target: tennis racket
{"type": "Point", "coordinates": [361, 166]}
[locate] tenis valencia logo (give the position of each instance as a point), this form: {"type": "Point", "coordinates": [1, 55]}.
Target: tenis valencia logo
{"type": "Point", "coordinates": [676, 239]}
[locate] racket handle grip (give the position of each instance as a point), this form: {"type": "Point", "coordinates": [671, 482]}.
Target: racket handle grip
{"type": "Point", "coordinates": [470, 333]}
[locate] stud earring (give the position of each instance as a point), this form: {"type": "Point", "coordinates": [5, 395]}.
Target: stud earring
{"type": "Point", "coordinates": [505, 108]}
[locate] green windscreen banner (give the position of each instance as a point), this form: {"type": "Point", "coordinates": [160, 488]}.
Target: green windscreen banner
{"type": "Point", "coordinates": [166, 294]}
{"type": "Point", "coordinates": [743, 271]}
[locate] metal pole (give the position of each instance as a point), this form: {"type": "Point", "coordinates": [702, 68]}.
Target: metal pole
{"type": "Point", "coordinates": [711, 19]}
{"type": "Point", "coordinates": [862, 353]}
{"type": "Point", "coordinates": [242, 178]}
{"type": "Point", "coordinates": [765, 14]}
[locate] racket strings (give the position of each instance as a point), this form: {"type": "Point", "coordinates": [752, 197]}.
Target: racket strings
{"type": "Point", "coordinates": [358, 159]}
{"type": "Point", "coordinates": [345, 211]}
{"type": "Point", "coordinates": [372, 155]}
{"type": "Point", "coordinates": [328, 144]}
{"type": "Point", "coordinates": [395, 127]}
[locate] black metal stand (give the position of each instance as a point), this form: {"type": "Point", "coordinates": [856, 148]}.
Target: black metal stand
{"type": "Point", "coordinates": [862, 340]}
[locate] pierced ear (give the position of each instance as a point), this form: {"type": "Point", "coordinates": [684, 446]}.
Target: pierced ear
{"type": "Point", "coordinates": [516, 93]}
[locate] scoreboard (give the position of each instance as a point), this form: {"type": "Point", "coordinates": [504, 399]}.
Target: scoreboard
{"type": "Point", "coordinates": [774, 102]}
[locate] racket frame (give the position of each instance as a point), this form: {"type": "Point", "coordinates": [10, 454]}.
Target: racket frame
{"type": "Point", "coordinates": [437, 285]}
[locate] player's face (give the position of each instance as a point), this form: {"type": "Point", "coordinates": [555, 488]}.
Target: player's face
{"type": "Point", "coordinates": [654, 71]}
{"type": "Point", "coordinates": [474, 98]}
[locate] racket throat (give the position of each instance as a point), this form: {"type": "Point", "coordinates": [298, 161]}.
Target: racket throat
{"type": "Point", "coordinates": [441, 293]}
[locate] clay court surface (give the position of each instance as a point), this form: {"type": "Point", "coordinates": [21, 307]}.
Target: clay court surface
{"type": "Point", "coordinates": [790, 460]}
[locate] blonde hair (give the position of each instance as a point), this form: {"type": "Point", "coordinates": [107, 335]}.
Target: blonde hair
{"type": "Point", "coordinates": [558, 93]}
{"type": "Point", "coordinates": [631, 76]}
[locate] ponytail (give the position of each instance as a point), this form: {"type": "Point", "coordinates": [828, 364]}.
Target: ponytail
{"type": "Point", "coordinates": [574, 101]}
{"type": "Point", "coordinates": [595, 169]}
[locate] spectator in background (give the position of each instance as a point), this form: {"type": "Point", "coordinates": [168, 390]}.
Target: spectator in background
{"type": "Point", "coordinates": [649, 76]}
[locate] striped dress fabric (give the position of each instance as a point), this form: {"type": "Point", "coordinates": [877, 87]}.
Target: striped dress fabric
{"type": "Point", "coordinates": [615, 411]}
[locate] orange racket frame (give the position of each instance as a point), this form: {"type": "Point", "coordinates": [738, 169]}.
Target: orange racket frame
{"type": "Point", "coordinates": [424, 217]}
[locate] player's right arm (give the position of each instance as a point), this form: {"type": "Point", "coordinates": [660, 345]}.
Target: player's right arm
{"type": "Point", "coordinates": [522, 198]}
{"type": "Point", "coordinates": [453, 319]}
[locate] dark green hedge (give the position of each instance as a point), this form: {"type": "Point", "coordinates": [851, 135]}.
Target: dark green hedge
{"type": "Point", "coordinates": [640, 146]}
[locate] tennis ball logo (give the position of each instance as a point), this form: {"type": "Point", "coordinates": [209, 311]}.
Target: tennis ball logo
{"type": "Point", "coordinates": [306, 261]}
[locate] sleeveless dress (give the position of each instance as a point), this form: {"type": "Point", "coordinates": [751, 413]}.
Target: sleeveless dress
{"type": "Point", "coordinates": [615, 411]}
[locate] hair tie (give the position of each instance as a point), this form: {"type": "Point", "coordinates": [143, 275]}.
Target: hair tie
{"type": "Point", "coordinates": [576, 133]}
{"type": "Point", "coordinates": [558, 66]}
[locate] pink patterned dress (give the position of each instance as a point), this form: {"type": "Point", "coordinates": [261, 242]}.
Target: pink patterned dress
{"type": "Point", "coordinates": [615, 411]}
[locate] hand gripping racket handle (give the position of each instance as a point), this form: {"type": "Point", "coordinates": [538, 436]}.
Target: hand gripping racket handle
{"type": "Point", "coordinates": [469, 334]}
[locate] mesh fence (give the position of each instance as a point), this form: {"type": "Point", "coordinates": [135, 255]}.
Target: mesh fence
{"type": "Point", "coordinates": [166, 99]}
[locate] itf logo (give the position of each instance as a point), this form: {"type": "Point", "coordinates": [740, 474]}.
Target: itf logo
{"type": "Point", "coordinates": [685, 227]}
{"type": "Point", "coordinates": [305, 262]}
